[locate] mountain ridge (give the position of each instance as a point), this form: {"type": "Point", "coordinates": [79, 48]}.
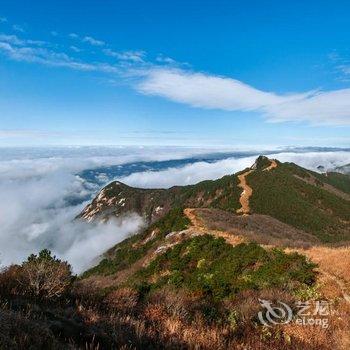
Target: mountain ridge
{"type": "Point", "coordinates": [315, 203]}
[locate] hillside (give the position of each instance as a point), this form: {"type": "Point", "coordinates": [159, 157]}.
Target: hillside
{"type": "Point", "coordinates": [287, 206]}
{"type": "Point", "coordinates": [305, 200]}
{"type": "Point", "coordinates": [318, 204]}
{"type": "Point", "coordinates": [201, 268]}
{"type": "Point", "coordinates": [117, 199]}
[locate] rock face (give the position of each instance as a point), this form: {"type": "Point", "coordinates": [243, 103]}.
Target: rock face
{"type": "Point", "coordinates": [261, 163]}
{"type": "Point", "coordinates": [117, 199]}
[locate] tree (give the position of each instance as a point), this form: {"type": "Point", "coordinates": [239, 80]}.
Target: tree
{"type": "Point", "coordinates": [45, 276]}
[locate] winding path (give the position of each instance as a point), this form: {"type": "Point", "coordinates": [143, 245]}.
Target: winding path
{"type": "Point", "coordinates": [246, 194]}
{"type": "Point", "coordinates": [247, 190]}
{"type": "Point", "coordinates": [198, 225]}
{"type": "Point", "coordinates": [271, 166]}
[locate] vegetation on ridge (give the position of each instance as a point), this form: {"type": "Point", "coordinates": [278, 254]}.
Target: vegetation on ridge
{"type": "Point", "coordinates": [213, 268]}
{"type": "Point", "coordinates": [197, 312]}
{"type": "Point", "coordinates": [130, 250]}
{"type": "Point", "coordinates": [311, 208]}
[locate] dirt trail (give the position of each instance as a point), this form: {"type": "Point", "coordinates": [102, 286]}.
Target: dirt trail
{"type": "Point", "coordinates": [199, 227]}
{"type": "Point", "coordinates": [245, 195]}
{"type": "Point", "coordinates": [271, 166]}
{"type": "Point", "coordinates": [195, 221]}
{"type": "Point", "coordinates": [247, 190]}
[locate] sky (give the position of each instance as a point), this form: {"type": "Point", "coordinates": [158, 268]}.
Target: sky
{"type": "Point", "coordinates": [186, 73]}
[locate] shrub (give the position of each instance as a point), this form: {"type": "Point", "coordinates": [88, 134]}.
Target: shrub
{"type": "Point", "coordinates": [122, 299]}
{"type": "Point", "coordinates": [19, 332]}
{"type": "Point", "coordinates": [211, 267]}
{"type": "Point", "coordinates": [282, 195]}
{"type": "Point", "coordinates": [307, 293]}
{"type": "Point", "coordinates": [10, 280]}
{"type": "Point", "coordinates": [45, 276]}
{"type": "Point", "coordinates": [132, 249]}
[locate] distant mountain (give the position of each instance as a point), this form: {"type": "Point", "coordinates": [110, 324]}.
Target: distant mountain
{"type": "Point", "coordinates": [344, 169]}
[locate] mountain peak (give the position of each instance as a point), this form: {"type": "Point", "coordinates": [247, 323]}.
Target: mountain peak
{"type": "Point", "coordinates": [262, 162]}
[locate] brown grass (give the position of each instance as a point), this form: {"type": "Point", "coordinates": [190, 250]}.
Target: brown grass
{"type": "Point", "coordinates": [336, 261]}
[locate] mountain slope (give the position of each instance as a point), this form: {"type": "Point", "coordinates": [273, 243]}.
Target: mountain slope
{"type": "Point", "coordinates": [117, 199]}
{"type": "Point", "coordinates": [302, 199]}
{"type": "Point", "coordinates": [318, 204]}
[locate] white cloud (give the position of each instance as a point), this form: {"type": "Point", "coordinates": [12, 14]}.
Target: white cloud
{"type": "Point", "coordinates": [3, 19]}
{"type": "Point", "coordinates": [75, 49]}
{"type": "Point", "coordinates": [165, 59]}
{"type": "Point", "coordinates": [187, 175]}
{"type": "Point", "coordinates": [198, 90]}
{"type": "Point", "coordinates": [311, 160]}
{"type": "Point", "coordinates": [73, 35]}
{"type": "Point", "coordinates": [54, 33]}
{"type": "Point", "coordinates": [18, 28]}
{"type": "Point", "coordinates": [36, 186]}
{"type": "Point", "coordinates": [215, 92]}
{"type": "Point", "coordinates": [134, 56]}
{"type": "Point", "coordinates": [14, 40]}
{"type": "Point", "coordinates": [13, 47]}
{"type": "Point", "coordinates": [92, 41]}
{"type": "Point", "coordinates": [35, 214]}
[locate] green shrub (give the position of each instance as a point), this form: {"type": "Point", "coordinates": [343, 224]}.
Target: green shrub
{"type": "Point", "coordinates": [132, 249]}
{"type": "Point", "coordinates": [212, 267]}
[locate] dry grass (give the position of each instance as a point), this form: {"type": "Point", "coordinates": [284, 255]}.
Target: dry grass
{"type": "Point", "coordinates": [334, 277]}
{"type": "Point", "coordinates": [262, 229]}
{"type": "Point", "coordinates": [169, 318]}
{"type": "Point", "coordinates": [335, 261]}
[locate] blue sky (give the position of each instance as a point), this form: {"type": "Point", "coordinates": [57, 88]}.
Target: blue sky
{"type": "Point", "coordinates": [175, 72]}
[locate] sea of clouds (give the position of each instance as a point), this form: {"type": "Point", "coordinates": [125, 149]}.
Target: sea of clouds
{"type": "Point", "coordinates": [41, 194]}
{"type": "Point", "coordinates": [199, 171]}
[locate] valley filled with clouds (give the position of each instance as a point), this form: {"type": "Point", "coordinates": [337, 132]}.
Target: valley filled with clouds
{"type": "Point", "coordinates": [44, 189]}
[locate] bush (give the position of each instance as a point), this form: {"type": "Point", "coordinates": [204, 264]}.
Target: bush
{"type": "Point", "coordinates": [122, 299]}
{"type": "Point", "coordinates": [282, 195]}
{"type": "Point", "coordinates": [10, 281]}
{"type": "Point", "coordinates": [45, 276]}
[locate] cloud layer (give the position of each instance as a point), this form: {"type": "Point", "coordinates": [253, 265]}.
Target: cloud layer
{"type": "Point", "coordinates": [35, 213]}
{"type": "Point", "coordinates": [214, 92]}
{"type": "Point", "coordinates": [39, 191]}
